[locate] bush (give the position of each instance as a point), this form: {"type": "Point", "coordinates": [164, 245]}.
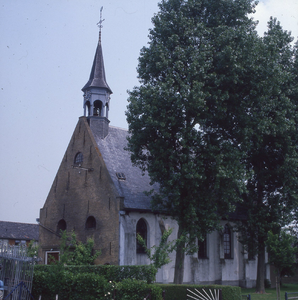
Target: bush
{"type": "Point", "coordinates": [179, 291]}
{"type": "Point", "coordinates": [131, 289]}
{"type": "Point", "coordinates": [110, 272]}
{"type": "Point", "coordinates": [93, 282]}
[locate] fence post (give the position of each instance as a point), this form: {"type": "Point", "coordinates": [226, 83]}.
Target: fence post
{"type": "Point", "coordinates": [286, 296]}
{"type": "Point", "coordinates": [248, 296]}
{"type": "Point", "coordinates": [163, 294]}
{"type": "Point", "coordinates": [220, 294]}
{"type": "Point", "coordinates": [21, 288]}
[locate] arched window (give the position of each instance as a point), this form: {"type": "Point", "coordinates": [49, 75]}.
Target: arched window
{"type": "Point", "coordinates": [87, 107]}
{"type": "Point", "coordinates": [78, 158]}
{"type": "Point", "coordinates": [227, 242]}
{"type": "Point", "coordinates": [90, 223]}
{"type": "Point", "coordinates": [142, 231]}
{"type": "Point", "coordinates": [202, 253]}
{"type": "Point", "coordinates": [97, 107]}
{"type": "Point", "coordinates": [61, 225]}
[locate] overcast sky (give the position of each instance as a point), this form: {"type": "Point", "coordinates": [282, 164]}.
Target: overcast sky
{"type": "Point", "coordinates": [46, 54]}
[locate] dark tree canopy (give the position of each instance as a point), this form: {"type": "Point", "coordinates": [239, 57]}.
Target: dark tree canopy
{"type": "Point", "coordinates": [207, 98]}
{"type": "Point", "coordinates": [271, 160]}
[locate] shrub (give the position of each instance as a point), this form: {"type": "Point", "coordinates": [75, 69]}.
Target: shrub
{"type": "Point", "coordinates": [110, 272]}
{"type": "Point", "coordinates": [74, 282]}
{"type": "Point", "coordinates": [131, 289]}
{"type": "Point", "coordinates": [67, 285]}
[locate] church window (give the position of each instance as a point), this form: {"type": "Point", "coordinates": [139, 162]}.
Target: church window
{"type": "Point", "coordinates": [142, 231]}
{"type": "Point", "coordinates": [78, 158]}
{"type": "Point", "coordinates": [203, 248]}
{"type": "Point", "coordinates": [227, 241]}
{"type": "Point", "coordinates": [61, 226]}
{"type": "Point", "coordinates": [121, 176]}
{"type": "Point", "coordinates": [90, 223]}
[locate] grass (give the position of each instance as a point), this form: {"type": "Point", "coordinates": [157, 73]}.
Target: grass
{"type": "Point", "coordinates": [271, 293]}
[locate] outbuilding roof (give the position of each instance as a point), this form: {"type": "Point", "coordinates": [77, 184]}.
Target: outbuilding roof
{"type": "Point", "coordinates": [19, 231]}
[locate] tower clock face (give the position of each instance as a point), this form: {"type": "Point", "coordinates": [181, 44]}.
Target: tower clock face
{"type": "Point", "coordinates": [87, 95]}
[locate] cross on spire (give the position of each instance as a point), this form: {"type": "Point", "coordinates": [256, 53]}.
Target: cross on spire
{"type": "Point", "coordinates": [99, 24]}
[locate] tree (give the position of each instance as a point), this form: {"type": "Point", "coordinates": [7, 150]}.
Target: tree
{"type": "Point", "coordinates": [159, 255]}
{"type": "Point", "coordinates": [186, 117]}
{"type": "Point", "coordinates": [32, 250]}
{"type": "Point", "coordinates": [271, 149]}
{"type": "Point", "coordinates": [73, 252]}
{"type": "Point", "coordinates": [282, 255]}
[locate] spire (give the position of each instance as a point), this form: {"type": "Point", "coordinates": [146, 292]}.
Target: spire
{"type": "Point", "coordinates": [97, 77]}
{"type": "Point", "coordinates": [97, 93]}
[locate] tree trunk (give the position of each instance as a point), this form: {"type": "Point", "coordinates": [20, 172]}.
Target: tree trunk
{"type": "Point", "coordinates": [179, 263]}
{"type": "Point", "coordinates": [277, 284]}
{"type": "Point", "coordinates": [260, 287]}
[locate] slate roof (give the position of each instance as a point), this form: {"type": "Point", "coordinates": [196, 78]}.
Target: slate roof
{"type": "Point", "coordinates": [19, 231]}
{"type": "Point", "coordinates": [97, 75]}
{"type": "Point", "coordinates": [118, 160]}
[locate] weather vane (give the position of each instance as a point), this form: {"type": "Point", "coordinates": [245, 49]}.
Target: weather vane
{"type": "Point", "coordinates": [99, 24]}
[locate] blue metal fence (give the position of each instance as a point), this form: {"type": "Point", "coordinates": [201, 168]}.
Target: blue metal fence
{"type": "Point", "coordinates": [294, 297]}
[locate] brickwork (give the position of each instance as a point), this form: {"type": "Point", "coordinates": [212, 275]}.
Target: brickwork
{"type": "Point", "coordinates": [79, 191]}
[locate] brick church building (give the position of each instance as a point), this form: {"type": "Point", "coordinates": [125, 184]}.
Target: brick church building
{"type": "Point", "coordinates": [99, 194]}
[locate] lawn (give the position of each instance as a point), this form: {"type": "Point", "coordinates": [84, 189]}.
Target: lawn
{"type": "Point", "coordinates": [271, 293]}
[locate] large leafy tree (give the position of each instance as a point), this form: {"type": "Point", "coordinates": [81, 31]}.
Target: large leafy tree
{"type": "Point", "coordinates": [187, 118]}
{"type": "Point", "coordinates": [271, 160]}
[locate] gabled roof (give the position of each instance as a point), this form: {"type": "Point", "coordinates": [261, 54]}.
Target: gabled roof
{"type": "Point", "coordinates": [97, 76]}
{"type": "Point", "coordinates": [19, 231]}
{"type": "Point", "coordinates": [117, 160]}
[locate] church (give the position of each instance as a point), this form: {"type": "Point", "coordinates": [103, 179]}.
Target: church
{"type": "Point", "coordinates": [99, 194]}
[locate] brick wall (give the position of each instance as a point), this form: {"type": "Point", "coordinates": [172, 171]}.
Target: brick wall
{"type": "Point", "coordinates": [78, 192]}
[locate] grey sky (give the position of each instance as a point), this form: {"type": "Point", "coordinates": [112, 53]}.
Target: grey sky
{"type": "Point", "coordinates": [46, 54]}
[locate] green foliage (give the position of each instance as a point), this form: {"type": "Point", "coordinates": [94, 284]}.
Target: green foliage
{"type": "Point", "coordinates": [70, 286]}
{"type": "Point", "coordinates": [178, 292]}
{"type": "Point", "coordinates": [94, 282]}
{"type": "Point", "coordinates": [161, 252]}
{"type": "Point", "coordinates": [58, 279]}
{"type": "Point", "coordinates": [73, 252]}
{"type": "Point", "coordinates": [32, 249]}
{"type": "Point", "coordinates": [184, 117]}
{"type": "Point", "coordinates": [110, 272]}
{"type": "Point", "coordinates": [131, 289]}
{"type": "Point", "coordinates": [282, 252]}
{"type": "Point", "coordinates": [271, 159]}
{"type": "Point", "coordinates": [214, 120]}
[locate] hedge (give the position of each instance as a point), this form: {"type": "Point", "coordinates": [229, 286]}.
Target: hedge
{"type": "Point", "coordinates": [94, 282]}
{"type": "Point", "coordinates": [179, 291]}
{"type": "Point", "coordinates": [90, 286]}
{"type": "Point", "coordinates": [110, 272]}
{"type": "Point", "coordinates": [100, 282]}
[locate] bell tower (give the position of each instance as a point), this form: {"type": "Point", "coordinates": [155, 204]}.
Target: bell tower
{"type": "Point", "coordinates": [97, 92]}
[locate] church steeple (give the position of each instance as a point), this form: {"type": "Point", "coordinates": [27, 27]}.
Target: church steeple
{"type": "Point", "coordinates": [97, 88]}
{"type": "Point", "coordinates": [97, 91]}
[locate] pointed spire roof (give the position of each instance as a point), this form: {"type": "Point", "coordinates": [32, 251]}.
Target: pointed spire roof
{"type": "Point", "coordinates": [97, 75]}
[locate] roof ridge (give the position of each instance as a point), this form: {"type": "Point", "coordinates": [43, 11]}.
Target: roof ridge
{"type": "Point", "coordinates": [19, 222]}
{"type": "Point", "coordinates": [111, 126]}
